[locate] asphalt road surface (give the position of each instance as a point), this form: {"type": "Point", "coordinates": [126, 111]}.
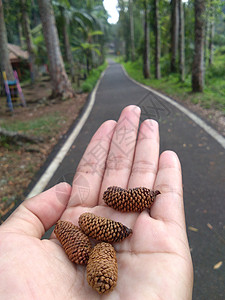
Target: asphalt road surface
{"type": "Point", "coordinates": [202, 160]}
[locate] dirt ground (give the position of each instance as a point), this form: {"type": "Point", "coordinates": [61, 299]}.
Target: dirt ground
{"type": "Point", "coordinates": [20, 162]}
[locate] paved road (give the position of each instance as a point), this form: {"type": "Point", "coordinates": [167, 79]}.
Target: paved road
{"type": "Point", "coordinates": [203, 164]}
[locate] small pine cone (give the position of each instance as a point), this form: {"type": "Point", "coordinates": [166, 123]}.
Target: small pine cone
{"type": "Point", "coordinates": [103, 229]}
{"type": "Point", "coordinates": [75, 243]}
{"type": "Point", "coordinates": [102, 269]}
{"type": "Point", "coordinates": [125, 200]}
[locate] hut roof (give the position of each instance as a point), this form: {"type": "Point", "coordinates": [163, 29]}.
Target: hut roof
{"type": "Point", "coordinates": [16, 53]}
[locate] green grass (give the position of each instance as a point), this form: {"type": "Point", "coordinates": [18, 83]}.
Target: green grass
{"type": "Point", "coordinates": [93, 77]}
{"type": "Point", "coordinates": [42, 126]}
{"type": "Point", "coordinates": [214, 91]}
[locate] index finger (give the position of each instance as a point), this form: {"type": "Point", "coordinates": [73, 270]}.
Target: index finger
{"type": "Point", "coordinates": [89, 173]}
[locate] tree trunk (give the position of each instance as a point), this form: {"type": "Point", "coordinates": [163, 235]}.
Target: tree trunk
{"type": "Point", "coordinates": [157, 42]}
{"type": "Point", "coordinates": [13, 137]}
{"type": "Point", "coordinates": [174, 34]}
{"type": "Point", "coordinates": [29, 43]}
{"type": "Point", "coordinates": [206, 39]}
{"type": "Point", "coordinates": [68, 52]}
{"type": "Point", "coordinates": [211, 33]}
{"type": "Point", "coordinates": [211, 36]}
{"type": "Point", "coordinates": [131, 30]}
{"type": "Point", "coordinates": [181, 41]}
{"type": "Point", "coordinates": [198, 63]}
{"type": "Point", "coordinates": [87, 63]}
{"type": "Point", "coordinates": [20, 30]}
{"type": "Point", "coordinates": [146, 64]}
{"type": "Point", "coordinates": [5, 64]}
{"type": "Point", "coordinates": [102, 50]}
{"type": "Point", "coordinates": [61, 84]}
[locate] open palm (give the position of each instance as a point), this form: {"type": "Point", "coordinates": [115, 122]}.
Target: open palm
{"type": "Point", "coordinates": [153, 263]}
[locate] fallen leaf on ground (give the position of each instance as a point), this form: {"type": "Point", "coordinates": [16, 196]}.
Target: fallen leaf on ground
{"type": "Point", "coordinates": [218, 265]}
{"type": "Point", "coordinates": [210, 226]}
{"type": "Point", "coordinates": [192, 228]}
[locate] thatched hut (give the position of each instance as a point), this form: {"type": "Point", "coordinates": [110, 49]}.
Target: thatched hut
{"type": "Point", "coordinates": [18, 58]}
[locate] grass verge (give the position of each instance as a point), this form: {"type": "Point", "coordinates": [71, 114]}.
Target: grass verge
{"type": "Point", "coordinates": [214, 92]}
{"type": "Point", "coordinates": [42, 126]}
{"type": "Point", "coordinates": [90, 82]}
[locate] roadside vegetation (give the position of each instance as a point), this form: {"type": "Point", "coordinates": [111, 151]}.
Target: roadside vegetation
{"type": "Point", "coordinates": [177, 47]}
{"type": "Point", "coordinates": [59, 54]}
{"type": "Point", "coordinates": [44, 122]}
{"type": "Point", "coordinates": [91, 81]}
{"type": "Point", "coordinates": [214, 91]}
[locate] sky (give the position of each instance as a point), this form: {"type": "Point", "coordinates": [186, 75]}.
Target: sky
{"type": "Point", "coordinates": [110, 6]}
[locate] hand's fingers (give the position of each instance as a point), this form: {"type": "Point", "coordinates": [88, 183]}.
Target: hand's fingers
{"type": "Point", "coordinates": [36, 215]}
{"type": "Point", "coordinates": [146, 157]}
{"type": "Point", "coordinates": [88, 177]}
{"type": "Point", "coordinates": [169, 205]}
{"type": "Point", "coordinates": [120, 157]}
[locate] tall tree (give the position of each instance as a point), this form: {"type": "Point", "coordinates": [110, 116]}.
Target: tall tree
{"type": "Point", "coordinates": [157, 40]}
{"type": "Point", "coordinates": [198, 63]}
{"type": "Point", "coordinates": [146, 63]}
{"type": "Point", "coordinates": [206, 38]}
{"type": "Point", "coordinates": [68, 52]}
{"type": "Point", "coordinates": [27, 33]}
{"type": "Point", "coordinates": [4, 54]}
{"type": "Point", "coordinates": [174, 34]}
{"type": "Point", "coordinates": [60, 82]}
{"type": "Point", "coordinates": [131, 30]}
{"type": "Point", "coordinates": [124, 28]}
{"type": "Point", "coordinates": [181, 42]}
{"type": "Point", "coordinates": [20, 32]}
{"type": "Point", "coordinates": [211, 32]}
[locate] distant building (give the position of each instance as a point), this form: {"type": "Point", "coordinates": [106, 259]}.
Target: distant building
{"type": "Point", "coordinates": [20, 62]}
{"type": "Point", "coordinates": [18, 58]}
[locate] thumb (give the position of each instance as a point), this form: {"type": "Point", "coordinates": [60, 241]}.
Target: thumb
{"type": "Point", "coordinates": [37, 214]}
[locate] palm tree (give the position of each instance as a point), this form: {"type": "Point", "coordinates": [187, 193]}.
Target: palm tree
{"type": "Point", "coordinates": [174, 34]}
{"type": "Point", "coordinates": [146, 64]}
{"type": "Point", "coordinates": [131, 30]}
{"type": "Point", "coordinates": [4, 54]}
{"type": "Point", "coordinates": [28, 37]}
{"type": "Point", "coordinates": [60, 82]}
{"type": "Point", "coordinates": [88, 47]}
{"type": "Point", "coordinates": [66, 38]}
{"type": "Point", "coordinates": [181, 41]}
{"type": "Point", "coordinates": [198, 63]}
{"type": "Point", "coordinates": [157, 40]}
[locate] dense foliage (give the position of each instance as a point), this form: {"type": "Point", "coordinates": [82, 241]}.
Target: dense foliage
{"type": "Point", "coordinates": [213, 20]}
{"type": "Point", "coordinates": [85, 22]}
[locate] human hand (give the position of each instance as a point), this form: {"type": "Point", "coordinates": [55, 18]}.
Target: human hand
{"type": "Point", "coordinates": [153, 263]}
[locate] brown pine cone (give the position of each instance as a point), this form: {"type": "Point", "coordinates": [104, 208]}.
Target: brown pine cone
{"type": "Point", "coordinates": [103, 229]}
{"type": "Point", "coordinates": [75, 243]}
{"type": "Point", "coordinates": [126, 200]}
{"type": "Point", "coordinates": [102, 269]}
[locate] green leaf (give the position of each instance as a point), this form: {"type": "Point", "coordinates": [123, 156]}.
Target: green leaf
{"type": "Point", "coordinates": [96, 32]}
